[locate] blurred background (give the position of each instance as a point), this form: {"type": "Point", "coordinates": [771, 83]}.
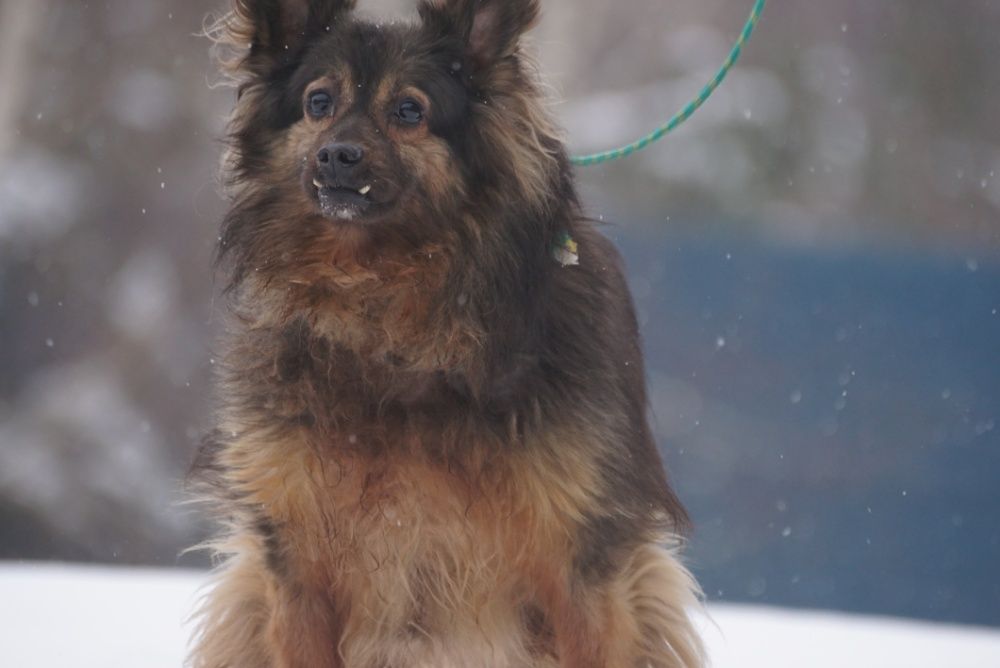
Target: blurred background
{"type": "Point", "coordinates": [815, 257]}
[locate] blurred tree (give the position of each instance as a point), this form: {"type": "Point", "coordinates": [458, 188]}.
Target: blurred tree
{"type": "Point", "coordinates": [19, 25]}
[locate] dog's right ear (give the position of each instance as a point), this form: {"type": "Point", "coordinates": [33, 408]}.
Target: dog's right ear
{"type": "Point", "coordinates": [276, 30]}
{"type": "Point", "coordinates": [488, 29]}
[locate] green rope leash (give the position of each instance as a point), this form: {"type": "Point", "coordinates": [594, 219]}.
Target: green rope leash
{"type": "Point", "coordinates": [688, 110]}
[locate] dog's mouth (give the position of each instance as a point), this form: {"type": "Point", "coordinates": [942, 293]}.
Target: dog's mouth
{"type": "Point", "coordinates": [343, 202]}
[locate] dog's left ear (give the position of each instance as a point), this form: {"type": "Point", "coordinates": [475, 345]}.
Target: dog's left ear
{"type": "Point", "coordinates": [489, 29]}
{"type": "Point", "coordinates": [276, 29]}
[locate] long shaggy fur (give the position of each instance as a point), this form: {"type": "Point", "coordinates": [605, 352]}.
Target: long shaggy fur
{"type": "Point", "coordinates": [432, 446]}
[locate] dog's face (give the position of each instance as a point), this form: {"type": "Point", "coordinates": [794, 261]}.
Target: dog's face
{"type": "Point", "coordinates": [350, 127]}
{"type": "Point", "coordinates": [378, 125]}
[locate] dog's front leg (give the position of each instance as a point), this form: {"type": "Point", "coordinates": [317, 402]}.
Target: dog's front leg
{"type": "Point", "coordinates": [634, 617]}
{"type": "Point", "coordinates": [304, 629]}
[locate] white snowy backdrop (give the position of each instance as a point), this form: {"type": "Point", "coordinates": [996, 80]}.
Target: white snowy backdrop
{"type": "Point", "coordinates": [815, 257]}
{"type": "Point", "coordinates": [121, 618]}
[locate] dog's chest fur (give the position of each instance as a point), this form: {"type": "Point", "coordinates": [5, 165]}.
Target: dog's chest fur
{"type": "Point", "coordinates": [425, 534]}
{"type": "Point", "coordinates": [420, 565]}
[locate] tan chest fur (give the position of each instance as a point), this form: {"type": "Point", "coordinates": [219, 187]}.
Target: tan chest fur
{"type": "Point", "coordinates": [423, 566]}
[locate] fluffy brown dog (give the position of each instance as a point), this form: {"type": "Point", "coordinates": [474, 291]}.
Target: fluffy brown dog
{"type": "Point", "coordinates": [432, 445]}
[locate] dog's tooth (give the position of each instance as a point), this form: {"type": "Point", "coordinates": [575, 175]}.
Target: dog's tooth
{"type": "Point", "coordinates": [317, 183]}
{"type": "Point", "coordinates": [367, 189]}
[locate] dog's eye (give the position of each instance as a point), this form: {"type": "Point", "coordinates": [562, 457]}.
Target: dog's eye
{"type": "Point", "coordinates": [319, 104]}
{"type": "Point", "coordinates": [410, 112]}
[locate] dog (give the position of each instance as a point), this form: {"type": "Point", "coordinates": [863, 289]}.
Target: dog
{"type": "Point", "coordinates": [431, 446]}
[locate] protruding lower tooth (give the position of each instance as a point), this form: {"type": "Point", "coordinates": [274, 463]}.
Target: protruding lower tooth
{"type": "Point", "coordinates": [317, 183]}
{"type": "Point", "coordinates": [367, 189]}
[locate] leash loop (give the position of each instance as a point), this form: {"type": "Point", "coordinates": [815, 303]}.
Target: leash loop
{"type": "Point", "coordinates": [689, 109]}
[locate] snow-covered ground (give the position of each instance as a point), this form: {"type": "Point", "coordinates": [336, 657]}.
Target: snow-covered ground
{"type": "Point", "coordinates": [59, 616]}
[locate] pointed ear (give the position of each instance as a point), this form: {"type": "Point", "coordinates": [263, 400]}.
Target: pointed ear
{"type": "Point", "coordinates": [275, 30]}
{"type": "Point", "coordinates": [489, 29]}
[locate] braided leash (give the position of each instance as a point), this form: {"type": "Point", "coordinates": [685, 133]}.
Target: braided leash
{"type": "Point", "coordinates": [688, 110]}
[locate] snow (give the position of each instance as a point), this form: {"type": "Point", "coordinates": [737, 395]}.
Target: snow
{"type": "Point", "coordinates": [96, 617]}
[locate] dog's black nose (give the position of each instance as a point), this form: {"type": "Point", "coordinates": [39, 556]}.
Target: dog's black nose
{"type": "Point", "coordinates": [340, 156]}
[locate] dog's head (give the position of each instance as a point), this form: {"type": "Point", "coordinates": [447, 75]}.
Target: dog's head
{"type": "Point", "coordinates": [348, 128]}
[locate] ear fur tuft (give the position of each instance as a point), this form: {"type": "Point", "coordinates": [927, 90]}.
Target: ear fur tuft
{"type": "Point", "coordinates": [489, 29]}
{"type": "Point", "coordinates": [274, 30]}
